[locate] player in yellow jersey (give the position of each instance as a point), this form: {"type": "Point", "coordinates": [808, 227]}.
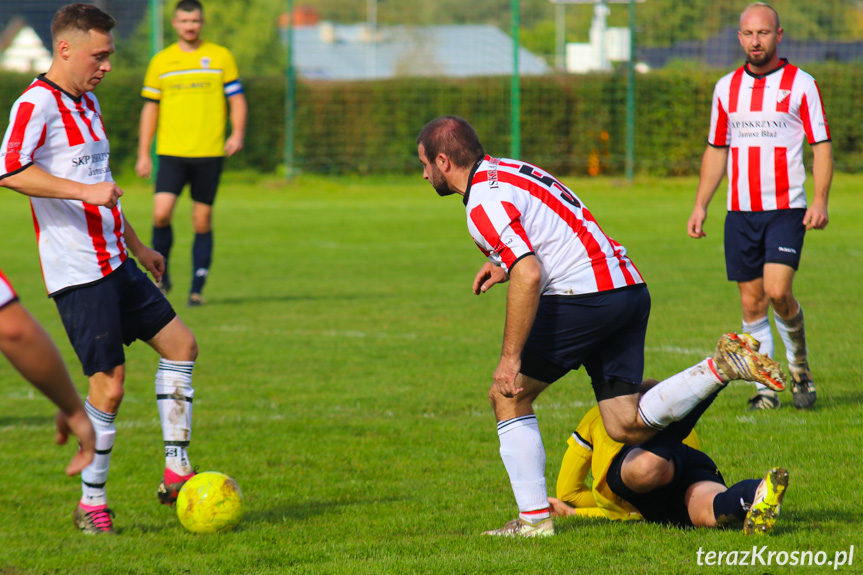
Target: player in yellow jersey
{"type": "Point", "coordinates": [185, 92]}
{"type": "Point", "coordinates": [665, 480]}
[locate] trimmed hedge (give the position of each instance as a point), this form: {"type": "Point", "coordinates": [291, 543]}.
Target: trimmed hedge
{"type": "Point", "coordinates": [570, 124]}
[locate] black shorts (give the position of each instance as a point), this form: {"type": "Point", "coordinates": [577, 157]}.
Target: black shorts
{"type": "Point", "coordinates": [99, 318]}
{"type": "Point", "coordinates": [603, 332]}
{"type": "Point", "coordinates": [753, 239]}
{"type": "Point", "coordinates": [666, 505]}
{"type": "Point", "coordinates": [202, 175]}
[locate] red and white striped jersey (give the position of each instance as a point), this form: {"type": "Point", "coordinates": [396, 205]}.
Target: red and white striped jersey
{"type": "Point", "coordinates": [64, 136]}
{"type": "Point", "coordinates": [515, 209]}
{"type": "Point", "coordinates": [7, 293]}
{"type": "Point", "coordinates": [764, 119]}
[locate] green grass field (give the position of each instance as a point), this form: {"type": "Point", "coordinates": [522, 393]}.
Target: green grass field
{"type": "Point", "coordinates": [342, 382]}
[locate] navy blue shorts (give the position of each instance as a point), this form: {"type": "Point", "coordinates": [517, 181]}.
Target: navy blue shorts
{"type": "Point", "coordinates": [99, 318]}
{"type": "Point", "coordinates": [666, 505]}
{"type": "Point", "coordinates": [753, 239]}
{"type": "Point", "coordinates": [604, 332]}
{"type": "Point", "coordinates": [202, 175]}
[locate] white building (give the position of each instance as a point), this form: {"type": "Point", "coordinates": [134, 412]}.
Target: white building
{"type": "Point", "coordinates": [21, 49]}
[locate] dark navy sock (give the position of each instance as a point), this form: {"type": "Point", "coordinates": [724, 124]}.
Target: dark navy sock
{"type": "Point", "coordinates": [163, 239]}
{"type": "Point", "coordinates": [729, 507]}
{"type": "Point", "coordinates": [666, 441]}
{"type": "Point", "coordinates": [202, 256]}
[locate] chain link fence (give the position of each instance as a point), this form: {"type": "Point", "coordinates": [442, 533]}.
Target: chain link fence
{"type": "Point", "coordinates": [369, 74]}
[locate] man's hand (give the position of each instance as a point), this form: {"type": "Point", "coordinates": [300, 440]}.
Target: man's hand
{"type": "Point", "coordinates": [153, 261]}
{"type": "Point", "coordinates": [816, 217]}
{"type": "Point", "coordinates": [233, 144]}
{"type": "Point", "coordinates": [488, 275]}
{"type": "Point", "coordinates": [80, 426]}
{"type": "Point", "coordinates": [105, 194]}
{"type": "Point", "coordinates": [505, 376]}
{"type": "Point", "coordinates": [695, 226]}
{"type": "Point", "coordinates": [560, 509]}
{"type": "Point", "coordinates": [144, 166]}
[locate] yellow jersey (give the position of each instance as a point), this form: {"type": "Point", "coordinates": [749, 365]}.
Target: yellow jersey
{"type": "Point", "coordinates": [191, 89]}
{"type": "Point", "coordinates": [592, 450]}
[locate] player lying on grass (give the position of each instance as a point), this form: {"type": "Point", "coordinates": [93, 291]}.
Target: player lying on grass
{"type": "Point", "coordinates": [665, 480]}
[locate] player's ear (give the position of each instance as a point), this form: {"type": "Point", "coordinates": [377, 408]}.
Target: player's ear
{"type": "Point", "coordinates": [443, 162]}
{"type": "Point", "coordinates": [64, 49]}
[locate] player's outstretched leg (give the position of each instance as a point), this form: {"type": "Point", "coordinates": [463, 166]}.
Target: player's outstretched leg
{"type": "Point", "coordinates": [174, 394]}
{"type": "Point", "coordinates": [737, 357]}
{"type": "Point", "coordinates": [767, 504]}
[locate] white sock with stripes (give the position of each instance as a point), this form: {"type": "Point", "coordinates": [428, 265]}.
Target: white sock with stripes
{"type": "Point", "coordinates": [95, 475]}
{"type": "Point", "coordinates": [671, 399]}
{"type": "Point", "coordinates": [760, 330]}
{"type": "Point", "coordinates": [174, 393]}
{"type": "Point", "coordinates": [523, 456]}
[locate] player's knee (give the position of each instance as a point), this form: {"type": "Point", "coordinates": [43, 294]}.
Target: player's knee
{"type": "Point", "coordinates": [113, 394]}
{"type": "Point", "coordinates": [645, 472]}
{"type": "Point", "coordinates": [190, 348]}
{"type": "Point", "coordinates": [782, 301]}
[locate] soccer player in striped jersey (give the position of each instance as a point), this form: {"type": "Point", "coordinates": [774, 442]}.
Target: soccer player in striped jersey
{"type": "Point", "coordinates": [29, 348]}
{"type": "Point", "coordinates": [574, 298]}
{"type": "Point", "coordinates": [762, 113]}
{"type": "Point", "coordinates": [665, 480]}
{"type": "Point", "coordinates": [185, 90]}
{"type": "Point", "coordinates": [56, 151]}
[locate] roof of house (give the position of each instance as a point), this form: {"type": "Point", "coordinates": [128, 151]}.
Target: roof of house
{"type": "Point", "coordinates": [128, 13]}
{"type": "Point", "coordinates": [347, 52]}
{"type": "Point", "coordinates": [722, 50]}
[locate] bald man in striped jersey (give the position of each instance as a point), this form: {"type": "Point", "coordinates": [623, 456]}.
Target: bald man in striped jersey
{"type": "Point", "coordinates": [762, 113]}
{"type": "Point", "coordinates": [574, 298]}
{"type": "Point", "coordinates": [56, 152]}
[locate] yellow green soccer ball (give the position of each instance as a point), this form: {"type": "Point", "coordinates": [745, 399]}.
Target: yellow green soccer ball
{"type": "Point", "coordinates": [210, 502]}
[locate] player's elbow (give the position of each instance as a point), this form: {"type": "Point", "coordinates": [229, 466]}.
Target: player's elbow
{"type": "Point", "coordinates": [526, 270]}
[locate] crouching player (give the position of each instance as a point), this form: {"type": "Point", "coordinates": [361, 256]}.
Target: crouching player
{"type": "Point", "coordinates": [665, 480]}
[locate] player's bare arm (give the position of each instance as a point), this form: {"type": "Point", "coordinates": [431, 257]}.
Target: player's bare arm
{"type": "Point", "coordinates": [239, 111]}
{"type": "Point", "coordinates": [816, 217]}
{"type": "Point", "coordinates": [522, 301]}
{"type": "Point", "coordinates": [153, 261]}
{"type": "Point", "coordinates": [146, 133]}
{"type": "Point", "coordinates": [713, 165]}
{"type": "Point", "coordinates": [488, 275]}
{"type": "Point", "coordinates": [35, 182]}
{"type": "Point", "coordinates": [29, 348]}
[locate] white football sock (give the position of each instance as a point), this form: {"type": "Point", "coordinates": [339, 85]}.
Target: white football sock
{"type": "Point", "coordinates": [793, 334]}
{"type": "Point", "coordinates": [95, 475]}
{"type": "Point", "coordinates": [670, 400]}
{"type": "Point", "coordinates": [523, 456]}
{"type": "Point", "coordinates": [174, 394]}
{"type": "Point", "coordinates": [760, 330]}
